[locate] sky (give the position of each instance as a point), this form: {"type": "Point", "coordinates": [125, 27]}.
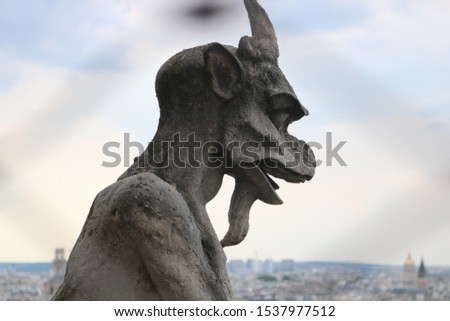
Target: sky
{"type": "Point", "coordinates": [375, 74]}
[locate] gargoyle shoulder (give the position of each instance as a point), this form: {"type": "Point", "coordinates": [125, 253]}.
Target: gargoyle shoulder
{"type": "Point", "coordinates": [143, 193]}
{"type": "Point", "coordinates": [134, 202]}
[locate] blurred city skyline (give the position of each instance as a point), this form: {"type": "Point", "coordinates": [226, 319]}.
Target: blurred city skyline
{"type": "Point", "coordinates": [255, 279]}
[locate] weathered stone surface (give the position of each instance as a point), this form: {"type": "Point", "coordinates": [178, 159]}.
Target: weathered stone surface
{"type": "Point", "coordinates": [148, 235]}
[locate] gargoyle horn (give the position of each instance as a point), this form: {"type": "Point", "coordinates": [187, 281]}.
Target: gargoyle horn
{"type": "Point", "coordinates": [264, 41]}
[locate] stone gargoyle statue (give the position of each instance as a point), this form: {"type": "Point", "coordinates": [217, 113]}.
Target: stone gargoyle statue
{"type": "Point", "coordinates": [224, 110]}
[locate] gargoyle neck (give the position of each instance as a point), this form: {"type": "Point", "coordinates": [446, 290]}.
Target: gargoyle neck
{"type": "Point", "coordinates": [182, 159]}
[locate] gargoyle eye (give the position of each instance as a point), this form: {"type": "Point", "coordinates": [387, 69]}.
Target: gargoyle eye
{"type": "Point", "coordinates": [281, 119]}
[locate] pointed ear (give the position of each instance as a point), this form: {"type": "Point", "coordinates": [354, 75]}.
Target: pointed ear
{"type": "Point", "coordinates": [225, 71]}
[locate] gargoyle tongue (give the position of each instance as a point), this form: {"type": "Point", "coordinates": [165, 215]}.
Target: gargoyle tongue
{"type": "Point", "coordinates": [251, 184]}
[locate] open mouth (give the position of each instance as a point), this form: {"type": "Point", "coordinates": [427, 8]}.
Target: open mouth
{"type": "Point", "coordinates": [262, 175]}
{"type": "Point", "coordinates": [291, 175]}
{"type": "Point", "coordinates": [261, 184]}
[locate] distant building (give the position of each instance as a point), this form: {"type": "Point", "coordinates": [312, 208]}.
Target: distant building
{"type": "Point", "coordinates": [268, 266]}
{"type": "Point", "coordinates": [236, 266]}
{"type": "Point", "coordinates": [422, 280]}
{"type": "Point", "coordinates": [254, 265]}
{"type": "Point", "coordinates": [409, 272]}
{"type": "Point", "coordinates": [287, 266]}
{"type": "Point", "coordinates": [57, 273]}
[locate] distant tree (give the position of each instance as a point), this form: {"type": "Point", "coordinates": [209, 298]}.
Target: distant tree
{"type": "Point", "coordinates": [267, 278]}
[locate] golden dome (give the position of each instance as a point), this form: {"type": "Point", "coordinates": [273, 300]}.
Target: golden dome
{"type": "Point", "coordinates": [409, 260]}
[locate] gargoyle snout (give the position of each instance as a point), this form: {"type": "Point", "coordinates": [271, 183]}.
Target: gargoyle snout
{"type": "Point", "coordinates": [305, 161]}
{"type": "Point", "coordinates": [294, 162]}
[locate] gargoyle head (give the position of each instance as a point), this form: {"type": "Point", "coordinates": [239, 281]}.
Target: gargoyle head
{"type": "Point", "coordinates": [240, 98]}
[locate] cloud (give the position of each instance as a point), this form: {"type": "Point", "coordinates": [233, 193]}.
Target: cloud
{"type": "Point", "coordinates": [3, 174]}
{"type": "Point", "coordinates": [45, 203]}
{"type": "Point", "coordinates": [295, 17]}
{"type": "Point", "coordinates": [377, 68]}
{"type": "Point", "coordinates": [408, 221]}
{"type": "Point", "coordinates": [33, 226]}
{"type": "Point", "coordinates": [62, 34]}
{"type": "Point", "coordinates": [48, 105]}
